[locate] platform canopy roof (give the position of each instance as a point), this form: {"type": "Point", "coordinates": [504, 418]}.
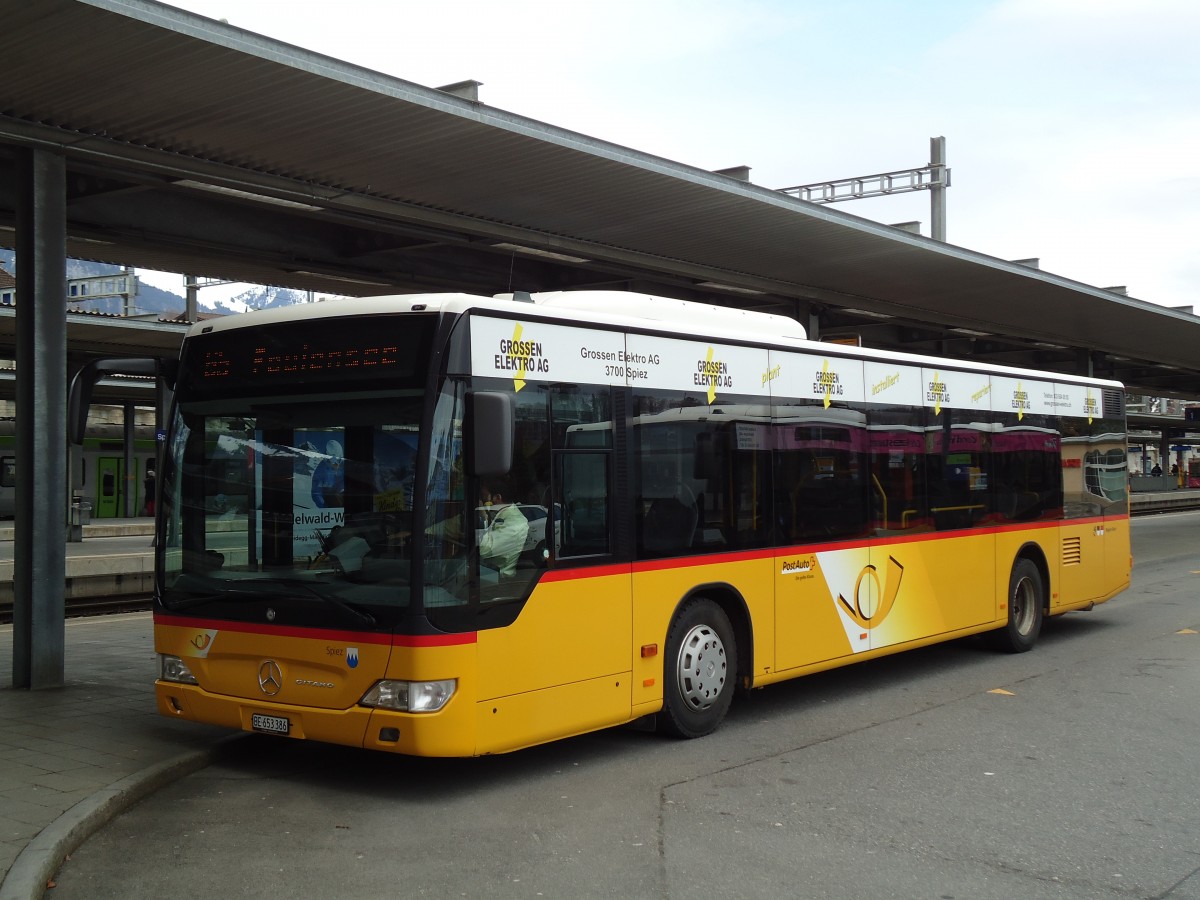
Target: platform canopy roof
{"type": "Point", "coordinates": [194, 146]}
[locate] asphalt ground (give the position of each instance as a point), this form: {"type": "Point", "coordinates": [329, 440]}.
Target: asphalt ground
{"type": "Point", "coordinates": [72, 759]}
{"type": "Point", "coordinates": [947, 772]}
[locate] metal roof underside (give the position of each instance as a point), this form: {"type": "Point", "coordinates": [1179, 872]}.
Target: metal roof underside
{"type": "Point", "coordinates": [195, 146]}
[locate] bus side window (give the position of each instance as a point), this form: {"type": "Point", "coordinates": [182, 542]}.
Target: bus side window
{"type": "Point", "coordinates": [583, 503]}
{"type": "Point", "coordinates": [582, 437]}
{"type": "Point", "coordinates": [8, 471]}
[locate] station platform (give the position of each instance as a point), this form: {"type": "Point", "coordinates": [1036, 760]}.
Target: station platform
{"type": "Point", "coordinates": [1146, 502]}
{"type": "Point", "coordinates": [114, 559]}
{"type": "Point", "coordinates": [72, 758]}
{"type": "Point", "coordinates": [134, 527]}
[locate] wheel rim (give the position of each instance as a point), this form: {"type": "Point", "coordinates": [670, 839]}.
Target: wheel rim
{"type": "Point", "coordinates": [1024, 606]}
{"type": "Point", "coordinates": [702, 668]}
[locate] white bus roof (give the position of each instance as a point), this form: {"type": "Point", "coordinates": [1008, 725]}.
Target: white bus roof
{"type": "Point", "coordinates": [620, 310]}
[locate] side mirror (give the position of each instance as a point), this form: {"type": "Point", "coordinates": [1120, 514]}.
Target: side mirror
{"type": "Point", "coordinates": [488, 433]}
{"type": "Point", "coordinates": [85, 380]}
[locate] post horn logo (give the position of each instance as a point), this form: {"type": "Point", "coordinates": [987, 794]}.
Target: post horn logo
{"type": "Point", "coordinates": [863, 611]}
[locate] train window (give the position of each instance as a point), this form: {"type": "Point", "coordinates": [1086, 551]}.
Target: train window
{"type": "Point", "coordinates": [8, 471]}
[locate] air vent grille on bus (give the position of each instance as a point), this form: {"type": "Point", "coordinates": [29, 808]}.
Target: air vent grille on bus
{"type": "Point", "coordinates": [1114, 405]}
{"type": "Point", "coordinates": [1072, 551]}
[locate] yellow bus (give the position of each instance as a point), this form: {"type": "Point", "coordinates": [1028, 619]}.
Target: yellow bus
{"type": "Point", "coordinates": [450, 525]}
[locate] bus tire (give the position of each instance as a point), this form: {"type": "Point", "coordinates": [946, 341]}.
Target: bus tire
{"type": "Point", "coordinates": [1026, 602]}
{"type": "Point", "coordinates": [700, 670]}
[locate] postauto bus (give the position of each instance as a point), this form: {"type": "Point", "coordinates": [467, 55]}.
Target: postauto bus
{"type": "Point", "coordinates": [731, 505]}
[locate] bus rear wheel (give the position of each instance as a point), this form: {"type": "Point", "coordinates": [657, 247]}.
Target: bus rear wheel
{"type": "Point", "coordinates": [700, 670]}
{"type": "Point", "coordinates": [1026, 601]}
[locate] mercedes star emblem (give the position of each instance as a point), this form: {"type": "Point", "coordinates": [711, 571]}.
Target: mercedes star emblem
{"type": "Point", "coordinates": [270, 678]}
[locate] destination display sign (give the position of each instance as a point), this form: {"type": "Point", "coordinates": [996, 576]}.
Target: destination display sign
{"type": "Point", "coordinates": [299, 356]}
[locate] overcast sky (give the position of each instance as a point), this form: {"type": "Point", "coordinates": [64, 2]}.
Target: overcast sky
{"type": "Point", "coordinates": [1072, 126]}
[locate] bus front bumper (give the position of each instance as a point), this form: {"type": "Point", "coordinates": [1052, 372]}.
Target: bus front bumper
{"type": "Point", "coordinates": [448, 732]}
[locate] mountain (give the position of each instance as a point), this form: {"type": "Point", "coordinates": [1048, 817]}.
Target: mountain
{"type": "Point", "coordinates": [151, 299]}
{"type": "Point", "coordinates": [257, 297]}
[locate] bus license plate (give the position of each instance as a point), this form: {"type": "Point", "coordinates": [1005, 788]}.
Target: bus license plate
{"type": "Point", "coordinates": [270, 724]}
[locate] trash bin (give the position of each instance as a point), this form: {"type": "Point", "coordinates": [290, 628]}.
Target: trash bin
{"type": "Point", "coordinates": [81, 512]}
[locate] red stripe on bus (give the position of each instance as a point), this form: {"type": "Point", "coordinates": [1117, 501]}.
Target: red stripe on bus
{"type": "Point", "coordinates": [710, 559]}
{"type": "Point", "coordinates": [707, 559]}
{"type": "Point", "coordinates": [584, 572]}
{"type": "Point", "coordinates": [434, 640]}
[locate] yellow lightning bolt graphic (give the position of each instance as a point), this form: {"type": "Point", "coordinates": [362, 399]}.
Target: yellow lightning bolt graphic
{"type": "Point", "coordinates": [519, 378]}
{"type": "Point", "coordinates": [712, 379]}
{"type": "Point", "coordinates": [1021, 406]}
{"type": "Point", "coordinates": [937, 404]}
{"type": "Point", "coordinates": [1090, 401]}
{"type": "Point", "coordinates": [828, 384]}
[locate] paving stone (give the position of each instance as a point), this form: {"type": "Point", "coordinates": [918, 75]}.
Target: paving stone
{"type": "Point", "coordinates": [59, 746]}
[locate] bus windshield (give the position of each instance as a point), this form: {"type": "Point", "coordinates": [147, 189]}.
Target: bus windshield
{"type": "Point", "coordinates": [297, 502]}
{"type": "Point", "coordinates": [288, 483]}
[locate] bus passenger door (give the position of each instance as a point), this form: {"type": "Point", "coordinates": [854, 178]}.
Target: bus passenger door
{"type": "Point", "coordinates": [840, 601]}
{"type": "Point", "coordinates": [563, 665]}
{"type": "Point", "coordinates": [820, 517]}
{"type": "Point", "coordinates": [812, 622]}
{"type": "Point", "coordinates": [923, 588]}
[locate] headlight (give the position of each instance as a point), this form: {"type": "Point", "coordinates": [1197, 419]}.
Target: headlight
{"type": "Point", "coordinates": [410, 696]}
{"type": "Point", "coordinates": [172, 668]}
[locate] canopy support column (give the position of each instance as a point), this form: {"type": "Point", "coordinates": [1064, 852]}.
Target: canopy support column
{"type": "Point", "coordinates": [39, 546]}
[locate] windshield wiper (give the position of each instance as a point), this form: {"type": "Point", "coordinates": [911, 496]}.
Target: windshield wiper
{"type": "Point", "coordinates": [243, 592]}
{"type": "Point", "coordinates": [202, 599]}
{"type": "Point", "coordinates": [361, 614]}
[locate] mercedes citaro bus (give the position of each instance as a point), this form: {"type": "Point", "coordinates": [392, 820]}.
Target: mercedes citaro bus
{"type": "Point", "coordinates": [343, 549]}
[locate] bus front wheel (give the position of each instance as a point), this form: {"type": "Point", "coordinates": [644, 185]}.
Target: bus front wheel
{"type": "Point", "coordinates": [700, 670]}
{"type": "Point", "coordinates": [1026, 600]}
